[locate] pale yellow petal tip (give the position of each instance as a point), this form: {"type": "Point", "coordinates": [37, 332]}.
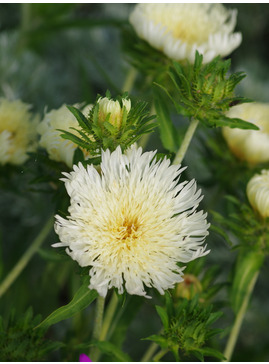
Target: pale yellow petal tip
{"type": "Point", "coordinates": [178, 30]}
{"type": "Point", "coordinates": [258, 193]}
{"type": "Point", "coordinates": [110, 110]}
{"type": "Point", "coordinates": [251, 146]}
{"type": "Point", "coordinates": [18, 134]}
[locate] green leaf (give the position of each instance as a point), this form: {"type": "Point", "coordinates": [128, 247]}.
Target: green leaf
{"type": "Point", "coordinates": [184, 81]}
{"type": "Point", "coordinates": [82, 120]}
{"type": "Point", "coordinates": [214, 317]}
{"type": "Point", "coordinates": [82, 299]}
{"type": "Point", "coordinates": [51, 255]}
{"type": "Point", "coordinates": [198, 60]}
{"type": "Point", "coordinates": [235, 123]}
{"type": "Point", "coordinates": [111, 128]}
{"type": "Point", "coordinates": [125, 315]}
{"type": "Point", "coordinates": [78, 156]}
{"type": "Point", "coordinates": [160, 340]}
{"type": "Point", "coordinates": [76, 140]}
{"type": "Point", "coordinates": [212, 352]}
{"type": "Point", "coordinates": [221, 232]}
{"type": "Point", "coordinates": [198, 355]}
{"type": "Point", "coordinates": [168, 131]}
{"type": "Point", "coordinates": [247, 265]}
{"type": "Point", "coordinates": [163, 315]}
{"type": "Point", "coordinates": [110, 349]}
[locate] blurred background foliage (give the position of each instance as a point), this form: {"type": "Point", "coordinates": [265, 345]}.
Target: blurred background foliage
{"type": "Point", "coordinates": [52, 54]}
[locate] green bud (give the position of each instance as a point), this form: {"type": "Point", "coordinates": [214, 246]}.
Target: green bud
{"type": "Point", "coordinates": [206, 92]}
{"type": "Point", "coordinates": [110, 123]}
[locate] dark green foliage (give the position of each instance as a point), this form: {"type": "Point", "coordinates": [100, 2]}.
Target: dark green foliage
{"type": "Point", "coordinates": [187, 328]}
{"type": "Point", "coordinates": [19, 341]}
{"type": "Point", "coordinates": [206, 92]}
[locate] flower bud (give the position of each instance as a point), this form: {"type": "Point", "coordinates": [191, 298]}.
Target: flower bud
{"type": "Point", "coordinates": [249, 145]}
{"type": "Point", "coordinates": [113, 109]}
{"type": "Point", "coordinates": [189, 287]}
{"type": "Point", "coordinates": [258, 193]}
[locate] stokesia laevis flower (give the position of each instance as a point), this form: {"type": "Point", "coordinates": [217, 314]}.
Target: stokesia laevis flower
{"type": "Point", "coordinates": [17, 131]}
{"type": "Point", "coordinates": [58, 148]}
{"type": "Point", "coordinates": [178, 30]}
{"type": "Point", "coordinates": [258, 193]}
{"type": "Point", "coordinates": [249, 145]}
{"type": "Point", "coordinates": [133, 223]}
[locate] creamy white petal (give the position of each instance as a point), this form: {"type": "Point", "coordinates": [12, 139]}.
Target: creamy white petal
{"type": "Point", "coordinates": [250, 145]}
{"type": "Point", "coordinates": [258, 193]}
{"type": "Point", "coordinates": [179, 30]}
{"type": "Point", "coordinates": [132, 223]}
{"type": "Point", "coordinates": [18, 134]}
{"type": "Point", "coordinates": [58, 148]}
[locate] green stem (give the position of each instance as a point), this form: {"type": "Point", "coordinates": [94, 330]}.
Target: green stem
{"type": "Point", "coordinates": [160, 354]}
{"type": "Point", "coordinates": [186, 142]}
{"type": "Point", "coordinates": [228, 352]}
{"type": "Point", "coordinates": [15, 272]}
{"type": "Point", "coordinates": [150, 352]}
{"type": "Point", "coordinates": [111, 309]}
{"type": "Point", "coordinates": [100, 303]}
{"type": "Point", "coordinates": [129, 81]}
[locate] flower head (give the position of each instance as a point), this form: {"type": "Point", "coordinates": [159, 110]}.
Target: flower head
{"type": "Point", "coordinates": [17, 131]}
{"type": "Point", "coordinates": [178, 30]}
{"type": "Point", "coordinates": [133, 223]}
{"type": "Point", "coordinates": [110, 110]}
{"type": "Point", "coordinates": [258, 193]}
{"type": "Point", "coordinates": [250, 145]}
{"type": "Point", "coordinates": [59, 149]}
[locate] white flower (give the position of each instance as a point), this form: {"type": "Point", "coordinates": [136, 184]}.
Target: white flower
{"type": "Point", "coordinates": [59, 149]}
{"type": "Point", "coordinates": [178, 30]}
{"type": "Point", "coordinates": [17, 131]}
{"type": "Point", "coordinates": [108, 106]}
{"type": "Point", "coordinates": [133, 223]}
{"type": "Point", "coordinates": [258, 193]}
{"type": "Point", "coordinates": [250, 145]}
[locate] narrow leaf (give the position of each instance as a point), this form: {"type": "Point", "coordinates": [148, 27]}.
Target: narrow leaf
{"type": "Point", "coordinates": [82, 299]}
{"type": "Point", "coordinates": [164, 317]}
{"type": "Point", "coordinates": [158, 339]}
{"type": "Point", "coordinates": [248, 263]}
{"type": "Point", "coordinates": [78, 156]}
{"type": "Point", "coordinates": [213, 352]}
{"type": "Point", "coordinates": [235, 123]}
{"type": "Point", "coordinates": [82, 120]}
{"type": "Point", "coordinates": [76, 140]}
{"type": "Point", "coordinates": [167, 129]}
